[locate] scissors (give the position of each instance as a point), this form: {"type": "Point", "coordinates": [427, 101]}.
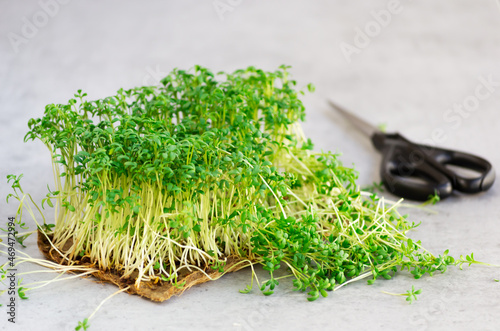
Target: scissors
{"type": "Point", "coordinates": [416, 172]}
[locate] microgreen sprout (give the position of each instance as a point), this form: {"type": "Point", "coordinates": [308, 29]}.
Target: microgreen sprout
{"type": "Point", "coordinates": [83, 325]}
{"type": "Point", "coordinates": [157, 181]}
{"type": "Point", "coordinates": [432, 200]}
{"type": "Point", "coordinates": [411, 295]}
{"type": "Point", "coordinates": [21, 290]}
{"type": "Point", "coordinates": [469, 259]}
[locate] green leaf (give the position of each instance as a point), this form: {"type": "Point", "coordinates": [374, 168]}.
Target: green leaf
{"type": "Point", "coordinates": [246, 290]}
{"type": "Point", "coordinates": [20, 291]}
{"type": "Point", "coordinates": [83, 325]}
{"type": "Point", "coordinates": [313, 295]}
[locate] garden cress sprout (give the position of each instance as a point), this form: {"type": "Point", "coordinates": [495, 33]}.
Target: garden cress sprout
{"type": "Point", "coordinates": [156, 182]}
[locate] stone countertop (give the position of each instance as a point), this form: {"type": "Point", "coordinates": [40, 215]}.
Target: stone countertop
{"type": "Point", "coordinates": [428, 69]}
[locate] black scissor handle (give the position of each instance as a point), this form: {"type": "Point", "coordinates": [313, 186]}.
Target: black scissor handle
{"type": "Point", "coordinates": [464, 160]}
{"type": "Point", "coordinates": [416, 171]}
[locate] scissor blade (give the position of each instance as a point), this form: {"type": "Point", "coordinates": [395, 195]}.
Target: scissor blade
{"type": "Point", "coordinates": [358, 123]}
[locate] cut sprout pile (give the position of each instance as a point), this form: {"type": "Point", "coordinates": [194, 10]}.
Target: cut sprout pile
{"type": "Point", "coordinates": [159, 181]}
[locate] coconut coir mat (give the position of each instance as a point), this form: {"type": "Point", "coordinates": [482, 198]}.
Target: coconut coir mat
{"type": "Point", "coordinates": [160, 291]}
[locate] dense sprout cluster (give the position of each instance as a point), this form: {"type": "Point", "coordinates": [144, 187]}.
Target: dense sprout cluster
{"type": "Point", "coordinates": [204, 167]}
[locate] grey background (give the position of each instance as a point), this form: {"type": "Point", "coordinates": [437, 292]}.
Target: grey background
{"type": "Point", "coordinates": [430, 56]}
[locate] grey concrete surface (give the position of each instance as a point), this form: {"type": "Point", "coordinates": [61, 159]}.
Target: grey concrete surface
{"type": "Point", "coordinates": [408, 73]}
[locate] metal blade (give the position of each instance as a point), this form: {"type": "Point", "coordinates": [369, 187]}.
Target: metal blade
{"type": "Point", "coordinates": [358, 123]}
